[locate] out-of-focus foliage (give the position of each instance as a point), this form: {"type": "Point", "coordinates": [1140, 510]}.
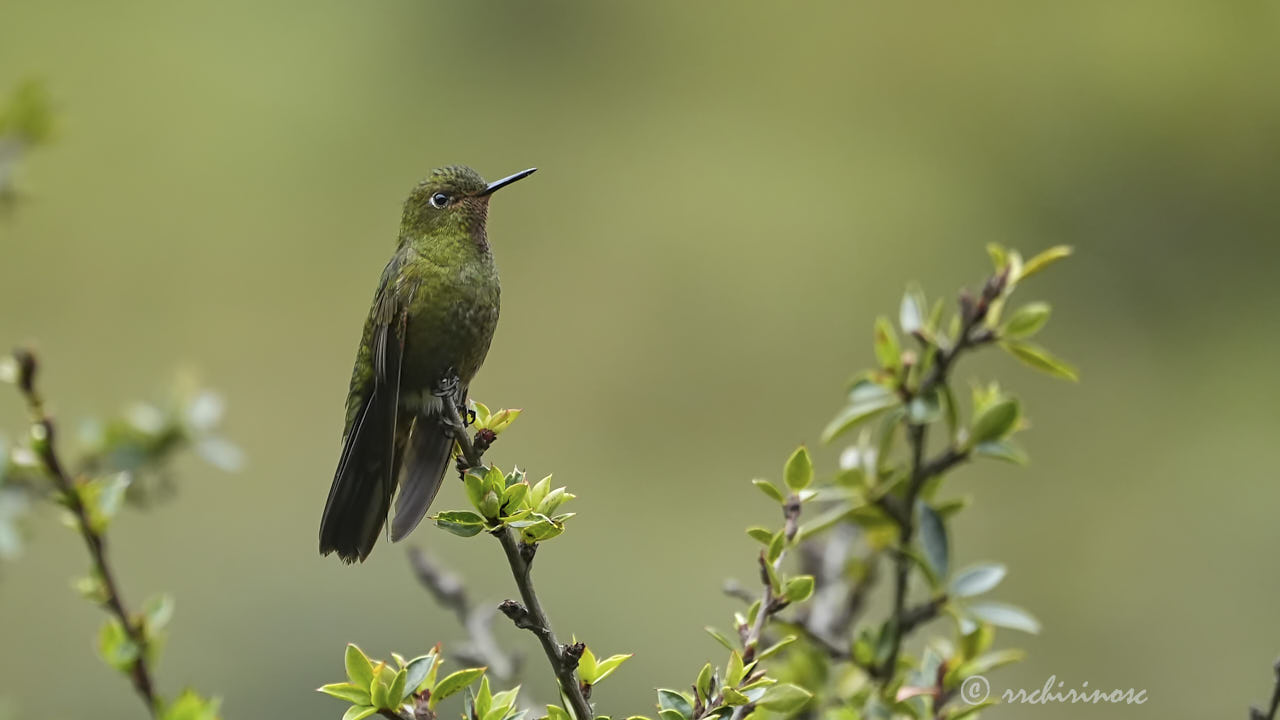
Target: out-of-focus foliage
{"type": "Point", "coordinates": [26, 121]}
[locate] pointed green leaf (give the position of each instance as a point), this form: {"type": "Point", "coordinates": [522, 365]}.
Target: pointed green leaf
{"type": "Point", "coordinates": [416, 672]}
{"type": "Point", "coordinates": [774, 648]}
{"type": "Point", "coordinates": [677, 701]}
{"type": "Point", "coordinates": [798, 472]}
{"type": "Point", "coordinates": [1004, 615]}
{"type": "Point", "coordinates": [396, 695]}
{"type": "Point", "coordinates": [606, 667]}
{"type": "Point", "coordinates": [1040, 359]}
{"type": "Point", "coordinates": [1044, 260]}
{"type": "Point", "coordinates": [1002, 450]}
{"type": "Point", "coordinates": [1027, 320]}
{"type": "Point", "coordinates": [359, 669]}
{"type": "Point", "coordinates": [785, 698]}
{"type": "Point", "coordinates": [866, 400]}
{"type": "Point", "coordinates": [933, 539]}
{"type": "Point", "coordinates": [719, 637]}
{"type": "Point", "coordinates": [760, 534]}
{"type": "Point", "coordinates": [734, 698]}
{"type": "Point", "coordinates": [359, 712]}
{"type": "Point", "coordinates": [996, 421]}
{"type": "Point", "coordinates": [452, 683]}
{"type": "Point", "coordinates": [976, 579]}
{"type": "Point", "coordinates": [886, 345]}
{"type": "Point", "coordinates": [354, 694]}
{"type": "Point", "coordinates": [462, 523]}
{"type": "Point", "coordinates": [798, 589]}
{"type": "Point", "coordinates": [704, 681]}
{"type": "Point", "coordinates": [769, 489]}
{"type": "Point", "coordinates": [984, 664]}
{"type": "Point", "coordinates": [116, 648]}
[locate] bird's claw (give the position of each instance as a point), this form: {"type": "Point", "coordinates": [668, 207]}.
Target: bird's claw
{"type": "Point", "coordinates": [447, 386]}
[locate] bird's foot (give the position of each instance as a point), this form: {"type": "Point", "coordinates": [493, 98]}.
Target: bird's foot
{"type": "Point", "coordinates": [447, 386]}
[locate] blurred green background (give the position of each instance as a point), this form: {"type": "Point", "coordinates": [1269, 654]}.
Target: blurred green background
{"type": "Point", "coordinates": [729, 193]}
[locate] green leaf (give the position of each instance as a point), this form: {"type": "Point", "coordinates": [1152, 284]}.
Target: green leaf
{"type": "Point", "coordinates": [984, 664]}
{"type": "Point", "coordinates": [911, 313]}
{"type": "Point", "coordinates": [776, 546]}
{"type": "Point", "coordinates": [784, 697]}
{"type": "Point", "coordinates": [671, 715]}
{"type": "Point", "coordinates": [380, 688]}
{"type": "Point", "coordinates": [826, 519]}
{"type": "Point", "coordinates": [1044, 260]}
{"type": "Point", "coordinates": [998, 255]}
{"type": "Point", "coordinates": [513, 498]}
{"type": "Point", "coordinates": [705, 676]}
{"type": "Point", "coordinates": [359, 669]}
{"type": "Point", "coordinates": [475, 484]}
{"type": "Point", "coordinates": [354, 694]}
{"type": "Point", "coordinates": [358, 712]}
{"type": "Point", "coordinates": [886, 345]}
{"type": "Point", "coordinates": [1002, 450]}
{"type": "Point", "coordinates": [933, 539]}
{"type": "Point", "coordinates": [774, 648]}
{"type": "Point", "coordinates": [719, 637]}
{"type": "Point", "coordinates": [995, 421]}
{"type": "Point", "coordinates": [677, 701]}
{"type": "Point", "coordinates": [760, 534]}
{"type": "Point", "coordinates": [190, 706]}
{"type": "Point", "coordinates": [1004, 615]}
{"type": "Point", "coordinates": [606, 667]}
{"type": "Point", "coordinates": [453, 683]}
{"type": "Point", "coordinates": [484, 698]}
{"type": "Point", "coordinates": [735, 670]}
{"type": "Point", "coordinates": [463, 523]}
{"type": "Point", "coordinates": [116, 648]}
{"type": "Point", "coordinates": [395, 696]}
{"type": "Point", "coordinates": [769, 489]}
{"type": "Point", "coordinates": [416, 671]}
{"type": "Point", "coordinates": [976, 579]}
{"type": "Point", "coordinates": [799, 469]}
{"type": "Point", "coordinates": [555, 712]}
{"type": "Point", "coordinates": [156, 613]}
{"type": "Point", "coordinates": [1027, 320]}
{"type": "Point", "coordinates": [504, 701]}
{"type": "Point", "coordinates": [1040, 359]}
{"type": "Point", "coordinates": [587, 666]}
{"type": "Point", "coordinates": [734, 698]}
{"type": "Point", "coordinates": [866, 400]}
{"type": "Point", "coordinates": [798, 589]}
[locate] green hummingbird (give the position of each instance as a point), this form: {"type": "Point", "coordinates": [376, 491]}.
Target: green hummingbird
{"type": "Point", "coordinates": [427, 334]}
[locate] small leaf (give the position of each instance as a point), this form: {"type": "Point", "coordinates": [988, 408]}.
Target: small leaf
{"type": "Point", "coordinates": [799, 469]}
{"type": "Point", "coordinates": [704, 680]}
{"type": "Point", "coordinates": [769, 489]}
{"type": "Point", "coordinates": [760, 534]}
{"type": "Point", "coordinates": [866, 400]}
{"type": "Point", "coordinates": [677, 701]}
{"type": "Point", "coordinates": [734, 698]}
{"type": "Point", "coordinates": [886, 345]}
{"type": "Point", "coordinates": [463, 523]}
{"type": "Point", "coordinates": [998, 255]}
{"type": "Point", "coordinates": [555, 712]}
{"type": "Point", "coordinates": [395, 696]}
{"type": "Point", "coordinates": [976, 580]}
{"type": "Point", "coordinates": [587, 666]}
{"type": "Point", "coordinates": [416, 672]}
{"type": "Point", "coordinates": [1040, 359]}
{"type": "Point", "coordinates": [359, 669]}
{"type": "Point", "coordinates": [606, 667]}
{"type": "Point", "coordinates": [358, 712]}
{"type": "Point", "coordinates": [116, 648]}
{"type": "Point", "coordinates": [453, 683]}
{"type": "Point", "coordinates": [157, 612]}
{"type": "Point", "coordinates": [719, 637]}
{"type": "Point", "coordinates": [735, 670]}
{"type": "Point", "coordinates": [798, 589]}
{"type": "Point", "coordinates": [774, 648]}
{"type": "Point", "coordinates": [784, 698]}
{"type": "Point", "coordinates": [1005, 616]}
{"type": "Point", "coordinates": [1027, 320]}
{"type": "Point", "coordinates": [933, 539]}
{"type": "Point", "coordinates": [354, 694]}
{"type": "Point", "coordinates": [995, 421]}
{"type": "Point", "coordinates": [1044, 260]}
{"type": "Point", "coordinates": [1002, 450]}
{"type": "Point", "coordinates": [911, 312]}
{"type": "Point", "coordinates": [984, 664]}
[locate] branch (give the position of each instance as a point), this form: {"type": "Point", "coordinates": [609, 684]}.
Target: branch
{"type": "Point", "coordinates": [769, 605]}
{"type": "Point", "coordinates": [972, 313]}
{"type": "Point", "coordinates": [1255, 713]}
{"type": "Point", "coordinates": [530, 615]}
{"type": "Point", "coordinates": [450, 593]}
{"type": "Point", "coordinates": [44, 432]}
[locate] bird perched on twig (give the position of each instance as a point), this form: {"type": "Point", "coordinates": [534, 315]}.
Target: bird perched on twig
{"type": "Point", "coordinates": [427, 334]}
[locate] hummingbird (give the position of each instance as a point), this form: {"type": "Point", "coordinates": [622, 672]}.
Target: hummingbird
{"type": "Point", "coordinates": [428, 331]}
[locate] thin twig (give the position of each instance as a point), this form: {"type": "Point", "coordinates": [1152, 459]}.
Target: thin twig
{"type": "Point", "coordinates": [482, 647]}
{"type": "Point", "coordinates": [529, 615]}
{"type": "Point", "coordinates": [1255, 713]}
{"type": "Point", "coordinates": [972, 314]}
{"type": "Point", "coordinates": [68, 486]}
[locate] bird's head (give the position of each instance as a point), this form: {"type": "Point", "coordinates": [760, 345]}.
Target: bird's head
{"type": "Point", "coordinates": [454, 198]}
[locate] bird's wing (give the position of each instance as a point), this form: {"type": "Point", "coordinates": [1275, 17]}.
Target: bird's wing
{"type": "Point", "coordinates": [365, 480]}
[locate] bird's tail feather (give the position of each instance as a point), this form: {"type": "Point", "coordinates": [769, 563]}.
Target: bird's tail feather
{"type": "Point", "coordinates": [360, 497]}
{"type": "Point", "coordinates": [430, 448]}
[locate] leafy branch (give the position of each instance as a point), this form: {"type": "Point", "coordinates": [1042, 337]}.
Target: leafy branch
{"type": "Point", "coordinates": [530, 616]}
{"type": "Point", "coordinates": [72, 494]}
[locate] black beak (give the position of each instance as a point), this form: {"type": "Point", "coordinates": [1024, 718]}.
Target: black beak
{"type": "Point", "coordinates": [506, 181]}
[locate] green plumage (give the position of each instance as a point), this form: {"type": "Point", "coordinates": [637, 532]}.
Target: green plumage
{"type": "Point", "coordinates": [431, 323]}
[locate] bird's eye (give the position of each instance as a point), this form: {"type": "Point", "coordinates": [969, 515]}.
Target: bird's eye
{"type": "Point", "coordinates": [439, 200]}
